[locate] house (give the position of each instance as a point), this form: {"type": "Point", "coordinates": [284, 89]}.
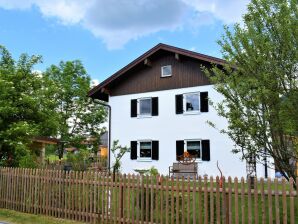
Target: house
{"type": "Point", "coordinates": [159, 107]}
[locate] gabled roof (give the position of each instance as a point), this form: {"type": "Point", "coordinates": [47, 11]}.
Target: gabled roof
{"type": "Point", "coordinates": [149, 53]}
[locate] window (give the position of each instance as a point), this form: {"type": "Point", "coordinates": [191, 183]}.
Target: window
{"type": "Point", "coordinates": [166, 71]}
{"type": "Point", "coordinates": [200, 148]}
{"type": "Point", "coordinates": [193, 147]}
{"type": "Point", "coordinates": [145, 107]}
{"type": "Point", "coordinates": [145, 150]}
{"type": "Point", "coordinates": [192, 102]}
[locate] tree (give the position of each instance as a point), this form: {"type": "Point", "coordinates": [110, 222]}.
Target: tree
{"type": "Point", "coordinates": [118, 152]}
{"type": "Point", "coordinates": [259, 83]}
{"type": "Point", "coordinates": [26, 110]}
{"type": "Point", "coordinates": [79, 118]}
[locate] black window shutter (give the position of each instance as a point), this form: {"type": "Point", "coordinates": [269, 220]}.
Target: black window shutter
{"type": "Point", "coordinates": [179, 148]}
{"type": "Point", "coordinates": [133, 108]}
{"type": "Point", "coordinates": [204, 101]}
{"type": "Point", "coordinates": [155, 150]}
{"type": "Point", "coordinates": [154, 106]}
{"type": "Point", "coordinates": [133, 149]}
{"type": "Point", "coordinates": [206, 150]}
{"type": "Point", "coordinates": [179, 104]}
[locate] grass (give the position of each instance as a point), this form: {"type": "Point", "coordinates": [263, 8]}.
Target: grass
{"type": "Point", "coordinates": [53, 158]}
{"type": "Point", "coordinates": [13, 217]}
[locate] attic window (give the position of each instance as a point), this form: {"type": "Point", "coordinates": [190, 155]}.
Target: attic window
{"type": "Point", "coordinates": [166, 71]}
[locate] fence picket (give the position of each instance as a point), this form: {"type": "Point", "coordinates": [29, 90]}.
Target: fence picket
{"type": "Point", "coordinates": [50, 181]}
{"type": "Point", "coordinates": [276, 190]}
{"type": "Point", "coordinates": [157, 206]}
{"type": "Point", "coordinates": [230, 199]}
{"type": "Point", "coordinates": [167, 199]}
{"type": "Point", "coordinates": [211, 201]}
{"type": "Point", "coordinates": [194, 189]}
{"type": "Point", "coordinates": [101, 198]}
{"type": "Point", "coordinates": [177, 201]}
{"type": "Point", "coordinates": [188, 200]}
{"type": "Point", "coordinates": [138, 200]}
{"type": "Point", "coordinates": [242, 201]}
{"type": "Point", "coordinates": [284, 201]}
{"type": "Point", "coordinates": [161, 189]}
{"type": "Point", "coordinates": [183, 201]}
{"type": "Point", "coordinates": [152, 199]}
{"type": "Point", "coordinates": [200, 200]}
{"type": "Point", "coordinates": [249, 200]}
{"type": "Point", "coordinates": [1, 187]}
{"type": "Point", "coordinates": [269, 200]}
{"type": "Point", "coordinates": [133, 196]}
{"type": "Point", "coordinates": [292, 206]}
{"type": "Point", "coordinates": [263, 201]}
{"type": "Point", "coordinates": [172, 200]}
{"type": "Point", "coordinates": [217, 200]}
{"type": "Point", "coordinates": [256, 201]}
{"type": "Point", "coordinates": [108, 198]}
{"type": "Point", "coordinates": [224, 202]}
{"type": "Point", "coordinates": [236, 201]}
{"type": "Point", "coordinates": [120, 198]}
{"type": "Point", "coordinates": [147, 207]}
{"type": "Point", "coordinates": [206, 210]}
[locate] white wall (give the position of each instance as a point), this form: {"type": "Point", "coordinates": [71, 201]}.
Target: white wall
{"type": "Point", "coordinates": [168, 127]}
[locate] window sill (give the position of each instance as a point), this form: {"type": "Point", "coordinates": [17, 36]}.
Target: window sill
{"type": "Point", "coordinates": [166, 76]}
{"type": "Point", "coordinates": [144, 116]}
{"type": "Point", "coordinates": [144, 160]}
{"type": "Point", "coordinates": [192, 113]}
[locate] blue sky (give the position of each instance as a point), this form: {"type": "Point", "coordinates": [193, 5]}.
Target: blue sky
{"type": "Point", "coordinates": [108, 34]}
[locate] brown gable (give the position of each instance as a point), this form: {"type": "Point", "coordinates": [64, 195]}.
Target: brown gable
{"type": "Point", "coordinates": [143, 74]}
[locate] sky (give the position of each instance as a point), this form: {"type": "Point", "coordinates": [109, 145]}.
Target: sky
{"type": "Point", "coordinates": [108, 34]}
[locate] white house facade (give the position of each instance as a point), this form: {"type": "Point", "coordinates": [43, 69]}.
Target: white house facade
{"type": "Point", "coordinates": [159, 115]}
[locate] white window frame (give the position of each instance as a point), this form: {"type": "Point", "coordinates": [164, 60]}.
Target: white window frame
{"type": "Point", "coordinates": [143, 159]}
{"type": "Point", "coordinates": [184, 103]}
{"type": "Point", "coordinates": [194, 140]}
{"type": "Point", "coordinates": [162, 74]}
{"type": "Point", "coordinates": [139, 108]}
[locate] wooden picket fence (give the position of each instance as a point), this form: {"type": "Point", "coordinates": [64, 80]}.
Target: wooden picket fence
{"type": "Point", "coordinates": [95, 198]}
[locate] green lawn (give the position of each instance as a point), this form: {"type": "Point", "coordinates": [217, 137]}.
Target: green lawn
{"type": "Point", "coordinates": [13, 217]}
{"type": "Point", "coordinates": [53, 158]}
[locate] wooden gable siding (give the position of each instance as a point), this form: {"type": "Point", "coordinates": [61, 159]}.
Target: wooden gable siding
{"type": "Point", "coordinates": [186, 72]}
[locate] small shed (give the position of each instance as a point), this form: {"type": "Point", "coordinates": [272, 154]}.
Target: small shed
{"type": "Point", "coordinates": [39, 145]}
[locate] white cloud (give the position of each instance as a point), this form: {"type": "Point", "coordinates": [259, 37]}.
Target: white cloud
{"type": "Point", "coordinates": [67, 11]}
{"type": "Point", "coordinates": [228, 11]}
{"type": "Point", "coordinates": [116, 22]}
{"type": "Point", "coordinates": [94, 82]}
